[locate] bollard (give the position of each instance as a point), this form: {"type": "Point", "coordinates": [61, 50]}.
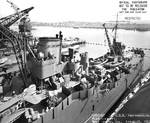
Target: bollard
{"type": "Point", "coordinates": [93, 107]}
{"type": "Point", "coordinates": [53, 116]}
{"type": "Point", "coordinates": [67, 101]}
{"type": "Point", "coordinates": [126, 81]}
{"type": "Point", "coordinates": [79, 95]}
{"type": "Point", "coordinates": [42, 119]}
{"type": "Point", "coordinates": [62, 106]}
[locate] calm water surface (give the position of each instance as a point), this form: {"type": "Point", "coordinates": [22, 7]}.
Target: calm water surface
{"type": "Point", "coordinates": [129, 37]}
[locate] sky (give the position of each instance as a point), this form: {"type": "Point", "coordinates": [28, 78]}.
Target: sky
{"type": "Point", "coordinates": [69, 10]}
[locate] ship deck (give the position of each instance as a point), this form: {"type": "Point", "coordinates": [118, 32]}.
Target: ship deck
{"type": "Point", "coordinates": [81, 110]}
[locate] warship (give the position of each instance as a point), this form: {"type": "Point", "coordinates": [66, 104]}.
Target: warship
{"type": "Point", "coordinates": [47, 85]}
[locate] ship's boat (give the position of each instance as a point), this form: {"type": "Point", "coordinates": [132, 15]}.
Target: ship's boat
{"type": "Point", "coordinates": [98, 61]}
{"type": "Point", "coordinates": [72, 42]}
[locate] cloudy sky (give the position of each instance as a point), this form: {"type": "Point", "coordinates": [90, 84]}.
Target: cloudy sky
{"type": "Point", "coordinates": [69, 10]}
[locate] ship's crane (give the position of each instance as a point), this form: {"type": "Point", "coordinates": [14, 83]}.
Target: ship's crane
{"type": "Point", "coordinates": [117, 45]}
{"type": "Point", "coordinates": [11, 19]}
{"type": "Point", "coordinates": [14, 38]}
{"type": "Point", "coordinates": [14, 41]}
{"type": "Point", "coordinates": [15, 7]}
{"type": "Point", "coordinates": [109, 42]}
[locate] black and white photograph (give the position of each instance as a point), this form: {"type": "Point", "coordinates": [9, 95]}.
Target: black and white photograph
{"type": "Point", "coordinates": [74, 61]}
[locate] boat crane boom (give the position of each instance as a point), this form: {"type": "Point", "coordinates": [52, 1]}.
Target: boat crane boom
{"type": "Point", "coordinates": [108, 39]}
{"type": "Point", "coordinates": [11, 19]}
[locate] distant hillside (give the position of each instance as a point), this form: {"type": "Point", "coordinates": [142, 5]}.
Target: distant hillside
{"type": "Point", "coordinates": [97, 25]}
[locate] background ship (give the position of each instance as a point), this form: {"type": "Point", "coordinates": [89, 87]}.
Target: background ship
{"type": "Point", "coordinates": [55, 87]}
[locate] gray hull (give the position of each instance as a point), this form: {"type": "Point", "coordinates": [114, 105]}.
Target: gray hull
{"type": "Point", "coordinates": [79, 106]}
